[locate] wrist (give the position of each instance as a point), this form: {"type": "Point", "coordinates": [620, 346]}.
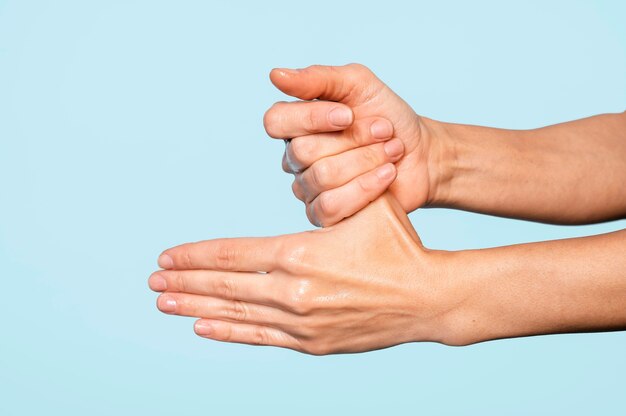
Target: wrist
{"type": "Point", "coordinates": [473, 167]}
{"type": "Point", "coordinates": [441, 160]}
{"type": "Point", "coordinates": [444, 315]}
{"type": "Point", "coordinates": [464, 321]}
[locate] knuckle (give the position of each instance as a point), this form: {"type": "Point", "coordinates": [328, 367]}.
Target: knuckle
{"type": "Point", "coordinates": [297, 191]}
{"type": "Point", "coordinates": [180, 282]}
{"type": "Point", "coordinates": [260, 336]}
{"type": "Point", "coordinates": [293, 257]}
{"type": "Point", "coordinates": [300, 300]}
{"type": "Point", "coordinates": [326, 206]}
{"type": "Point", "coordinates": [357, 66]}
{"type": "Point", "coordinates": [224, 289]}
{"type": "Point", "coordinates": [269, 121]}
{"type": "Point", "coordinates": [299, 150]}
{"type": "Point", "coordinates": [305, 329]}
{"type": "Point", "coordinates": [311, 121]}
{"type": "Point", "coordinates": [225, 257]}
{"type": "Point", "coordinates": [360, 70]}
{"type": "Point", "coordinates": [359, 133]}
{"type": "Point", "coordinates": [227, 333]}
{"type": "Point", "coordinates": [365, 186]}
{"type": "Point", "coordinates": [236, 311]}
{"type": "Point", "coordinates": [272, 120]}
{"type": "Point", "coordinates": [317, 347]}
{"type": "Point", "coordinates": [186, 259]}
{"type": "Point", "coordinates": [311, 215]}
{"type": "Point", "coordinates": [372, 155]}
{"type": "Point", "coordinates": [284, 163]}
{"type": "Point", "coordinates": [302, 306]}
{"type": "Point", "coordinates": [368, 83]}
{"type": "Point", "coordinates": [321, 174]}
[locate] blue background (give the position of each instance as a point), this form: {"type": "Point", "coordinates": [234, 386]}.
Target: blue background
{"type": "Point", "coordinates": [127, 127]}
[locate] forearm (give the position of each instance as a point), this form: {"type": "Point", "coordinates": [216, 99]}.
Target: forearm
{"type": "Point", "coordinates": [568, 173]}
{"type": "Point", "coordinates": [573, 285]}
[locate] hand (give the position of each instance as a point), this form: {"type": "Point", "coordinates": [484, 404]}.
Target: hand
{"type": "Point", "coordinates": [363, 284]}
{"type": "Point", "coordinates": [342, 143]}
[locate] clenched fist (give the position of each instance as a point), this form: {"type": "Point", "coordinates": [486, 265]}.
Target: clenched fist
{"type": "Point", "coordinates": [350, 140]}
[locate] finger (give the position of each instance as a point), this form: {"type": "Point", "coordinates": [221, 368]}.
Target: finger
{"type": "Point", "coordinates": [301, 152]}
{"type": "Point", "coordinates": [333, 83]}
{"type": "Point", "coordinates": [245, 334]}
{"type": "Point", "coordinates": [253, 254]}
{"type": "Point", "coordinates": [245, 286]}
{"type": "Point", "coordinates": [185, 304]}
{"type": "Point", "coordinates": [297, 191]}
{"type": "Point", "coordinates": [332, 206]}
{"type": "Point", "coordinates": [286, 120]}
{"type": "Point", "coordinates": [334, 171]}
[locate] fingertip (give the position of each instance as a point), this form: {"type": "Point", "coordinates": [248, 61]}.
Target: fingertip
{"type": "Point", "coordinates": [165, 261]}
{"type": "Point", "coordinates": [394, 149]}
{"type": "Point", "coordinates": [279, 74]}
{"type": "Point", "coordinates": [203, 328]}
{"type": "Point", "coordinates": [386, 172]}
{"type": "Point", "coordinates": [341, 116]}
{"type": "Point", "coordinates": [285, 71]}
{"type": "Point", "coordinates": [157, 283]}
{"type": "Point", "coordinates": [166, 304]}
{"type": "Point", "coordinates": [381, 129]}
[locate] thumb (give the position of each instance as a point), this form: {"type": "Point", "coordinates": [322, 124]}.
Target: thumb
{"type": "Point", "coordinates": [331, 83]}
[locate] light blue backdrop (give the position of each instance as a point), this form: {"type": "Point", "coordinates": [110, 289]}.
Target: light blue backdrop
{"type": "Point", "coordinates": [127, 127]}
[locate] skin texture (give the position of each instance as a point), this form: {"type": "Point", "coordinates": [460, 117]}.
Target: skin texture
{"type": "Point", "coordinates": [570, 285]}
{"type": "Point", "coordinates": [360, 285]}
{"type": "Point", "coordinates": [334, 166]}
{"type": "Point", "coordinates": [365, 281]}
{"type": "Point", "coordinates": [569, 173]}
{"type": "Point", "coordinates": [368, 283]}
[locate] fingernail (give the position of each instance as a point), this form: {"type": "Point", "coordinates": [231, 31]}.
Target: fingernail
{"type": "Point", "coordinates": [157, 283]}
{"type": "Point", "coordinates": [284, 71]}
{"type": "Point", "coordinates": [165, 261]}
{"type": "Point", "coordinates": [386, 171]}
{"type": "Point", "coordinates": [381, 129]}
{"type": "Point", "coordinates": [203, 328]}
{"type": "Point", "coordinates": [340, 117]}
{"type": "Point", "coordinates": [394, 148]}
{"type": "Point", "coordinates": [166, 304]}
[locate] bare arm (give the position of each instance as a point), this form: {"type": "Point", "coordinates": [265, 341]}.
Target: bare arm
{"type": "Point", "coordinates": [572, 285]}
{"type": "Point", "coordinates": [368, 283]}
{"type": "Point", "coordinates": [571, 173]}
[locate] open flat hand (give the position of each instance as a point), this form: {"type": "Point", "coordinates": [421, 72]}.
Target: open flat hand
{"type": "Point", "coordinates": [363, 284]}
